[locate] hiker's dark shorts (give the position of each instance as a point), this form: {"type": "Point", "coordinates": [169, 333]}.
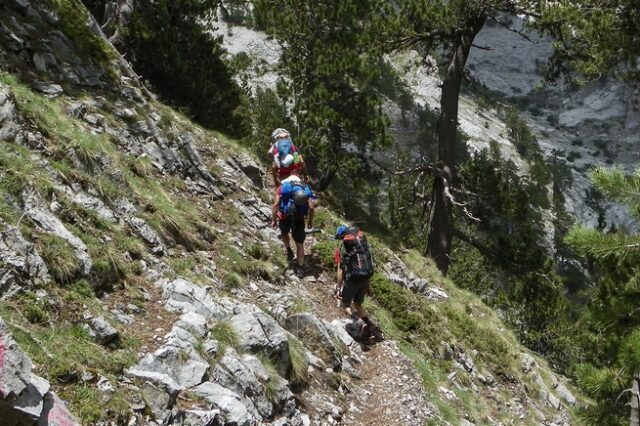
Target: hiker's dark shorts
{"type": "Point", "coordinates": [295, 226]}
{"type": "Point", "coordinates": [354, 291]}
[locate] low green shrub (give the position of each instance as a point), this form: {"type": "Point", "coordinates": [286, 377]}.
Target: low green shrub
{"type": "Point", "coordinates": [324, 251]}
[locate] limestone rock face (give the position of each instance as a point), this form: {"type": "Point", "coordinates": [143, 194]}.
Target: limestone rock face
{"type": "Point", "coordinates": [21, 266]}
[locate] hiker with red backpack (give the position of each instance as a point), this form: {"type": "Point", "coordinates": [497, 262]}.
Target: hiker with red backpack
{"type": "Point", "coordinates": [286, 157]}
{"type": "Point", "coordinates": [355, 268]}
{"type": "Point", "coordinates": [292, 204]}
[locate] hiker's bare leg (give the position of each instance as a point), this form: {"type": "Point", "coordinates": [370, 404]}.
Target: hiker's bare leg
{"type": "Point", "coordinates": [286, 241]}
{"type": "Point", "coordinates": [347, 310]}
{"type": "Point", "coordinates": [360, 310]}
{"type": "Point", "coordinates": [300, 254]}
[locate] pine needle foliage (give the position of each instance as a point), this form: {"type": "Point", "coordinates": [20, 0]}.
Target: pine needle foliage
{"type": "Point", "coordinates": [615, 185]}
{"type": "Point", "coordinates": [592, 243]}
{"type": "Point", "coordinates": [613, 312]}
{"type": "Point", "coordinates": [594, 36]}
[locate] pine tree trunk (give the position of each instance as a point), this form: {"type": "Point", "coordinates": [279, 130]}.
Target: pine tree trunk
{"type": "Point", "coordinates": [324, 180]}
{"type": "Point", "coordinates": [634, 418]}
{"type": "Point", "coordinates": [324, 177]}
{"type": "Point", "coordinates": [440, 228]}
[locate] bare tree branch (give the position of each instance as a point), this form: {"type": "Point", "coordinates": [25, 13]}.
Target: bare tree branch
{"type": "Point", "coordinates": [481, 47]}
{"type": "Point", "coordinates": [513, 30]}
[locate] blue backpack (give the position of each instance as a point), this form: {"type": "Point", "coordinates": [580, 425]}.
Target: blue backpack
{"type": "Point", "coordinates": [284, 147]}
{"type": "Point", "coordinates": [288, 204]}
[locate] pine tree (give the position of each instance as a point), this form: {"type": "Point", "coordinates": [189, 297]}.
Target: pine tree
{"type": "Point", "coordinates": [331, 71]}
{"type": "Point", "coordinates": [614, 313]}
{"type": "Point", "coordinates": [168, 46]}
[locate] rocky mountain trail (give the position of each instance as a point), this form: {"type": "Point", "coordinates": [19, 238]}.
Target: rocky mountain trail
{"type": "Point", "coordinates": [387, 389]}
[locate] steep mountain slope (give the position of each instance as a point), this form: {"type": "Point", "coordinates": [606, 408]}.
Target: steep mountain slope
{"type": "Point", "coordinates": [140, 283]}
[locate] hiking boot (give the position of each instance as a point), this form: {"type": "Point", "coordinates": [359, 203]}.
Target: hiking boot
{"type": "Point", "coordinates": [289, 254]}
{"type": "Point", "coordinates": [299, 270]}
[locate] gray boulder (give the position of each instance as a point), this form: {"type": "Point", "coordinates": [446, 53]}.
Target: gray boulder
{"type": "Point", "coordinates": [8, 126]}
{"type": "Point", "coordinates": [157, 400]}
{"type": "Point", "coordinates": [229, 403]}
{"type": "Point", "coordinates": [232, 373]}
{"type": "Point", "coordinates": [338, 330]}
{"type": "Point", "coordinates": [185, 367]}
{"type": "Point", "coordinates": [168, 384]}
{"type": "Point", "coordinates": [201, 418]}
{"type": "Point", "coordinates": [194, 323]}
{"type": "Point", "coordinates": [250, 168]}
{"type": "Point", "coordinates": [235, 376]}
{"type": "Point", "coordinates": [259, 332]}
{"type": "Point", "coordinates": [254, 211]}
{"type": "Point", "coordinates": [48, 89]}
{"type": "Point", "coordinates": [102, 332]}
{"type": "Point", "coordinates": [564, 393]}
{"type": "Point", "coordinates": [88, 201]}
{"type": "Point", "coordinates": [25, 398]}
{"type": "Point", "coordinates": [48, 222]}
{"type": "Point", "coordinates": [310, 330]}
{"type": "Point", "coordinates": [183, 296]}
{"type": "Point", "coordinates": [55, 412]}
{"type": "Point", "coordinates": [148, 234]}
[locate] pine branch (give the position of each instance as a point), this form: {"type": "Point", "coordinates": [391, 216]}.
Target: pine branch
{"type": "Point", "coordinates": [591, 243]}
{"type": "Point", "coordinates": [513, 30]}
{"type": "Point", "coordinates": [614, 184]}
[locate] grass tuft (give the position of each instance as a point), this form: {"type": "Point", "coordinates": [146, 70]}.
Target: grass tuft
{"type": "Point", "coordinates": [258, 251]}
{"type": "Point", "coordinates": [299, 373]}
{"type": "Point", "coordinates": [231, 280]}
{"type": "Point", "coordinates": [59, 256]}
{"type": "Point", "coordinates": [272, 387]}
{"type": "Point", "coordinates": [224, 333]}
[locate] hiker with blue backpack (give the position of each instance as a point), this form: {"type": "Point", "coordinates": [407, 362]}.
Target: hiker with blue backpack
{"type": "Point", "coordinates": [355, 268]}
{"type": "Point", "coordinates": [286, 157]}
{"type": "Point", "coordinates": [293, 203]}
